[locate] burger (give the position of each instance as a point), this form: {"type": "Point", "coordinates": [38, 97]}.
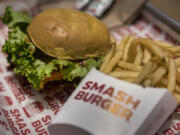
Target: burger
{"type": "Point", "coordinates": [58, 44]}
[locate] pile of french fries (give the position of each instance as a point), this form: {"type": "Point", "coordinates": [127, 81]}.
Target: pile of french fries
{"type": "Point", "coordinates": [145, 62]}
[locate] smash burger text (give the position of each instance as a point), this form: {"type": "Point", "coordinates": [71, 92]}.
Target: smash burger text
{"type": "Point", "coordinates": [116, 102]}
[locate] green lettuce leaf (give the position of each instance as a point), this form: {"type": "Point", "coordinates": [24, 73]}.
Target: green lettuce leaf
{"type": "Point", "coordinates": [12, 18]}
{"type": "Point", "coordinates": [27, 60]}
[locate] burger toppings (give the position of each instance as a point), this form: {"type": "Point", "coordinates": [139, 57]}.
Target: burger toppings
{"type": "Point", "coordinates": [31, 62]}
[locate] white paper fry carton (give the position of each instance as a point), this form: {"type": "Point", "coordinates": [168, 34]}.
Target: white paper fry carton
{"type": "Point", "coordinates": [103, 105]}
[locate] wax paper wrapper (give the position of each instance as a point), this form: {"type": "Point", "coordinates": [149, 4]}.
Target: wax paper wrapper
{"type": "Point", "coordinates": [25, 111]}
{"type": "Point", "coordinates": [103, 105]}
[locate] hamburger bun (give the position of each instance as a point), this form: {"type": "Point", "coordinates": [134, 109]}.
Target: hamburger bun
{"type": "Point", "coordinates": [69, 34]}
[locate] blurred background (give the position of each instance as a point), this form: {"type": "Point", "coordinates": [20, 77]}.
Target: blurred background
{"type": "Point", "coordinates": [114, 13]}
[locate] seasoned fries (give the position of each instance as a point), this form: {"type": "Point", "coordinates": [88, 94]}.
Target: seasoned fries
{"type": "Point", "coordinates": [177, 60]}
{"type": "Point", "coordinates": [129, 66]}
{"type": "Point", "coordinates": [177, 96]}
{"type": "Point", "coordinates": [157, 75]}
{"type": "Point", "coordinates": [175, 49]}
{"type": "Point", "coordinates": [139, 56]}
{"type": "Point", "coordinates": [132, 52]}
{"type": "Point", "coordinates": [171, 75]}
{"type": "Point", "coordinates": [108, 67]}
{"type": "Point", "coordinates": [144, 73]}
{"type": "Point", "coordinates": [149, 44]}
{"type": "Point", "coordinates": [108, 57]}
{"type": "Point", "coordinates": [147, 56]}
{"type": "Point", "coordinates": [145, 62]}
{"type": "Point", "coordinates": [126, 48]}
{"type": "Point", "coordinates": [124, 74]}
{"type": "Point", "coordinates": [177, 88]}
{"type": "Point", "coordinates": [178, 75]}
{"type": "Point", "coordinates": [163, 44]}
{"type": "Point", "coordinates": [113, 62]}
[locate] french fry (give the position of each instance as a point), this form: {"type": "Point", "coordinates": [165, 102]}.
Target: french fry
{"type": "Point", "coordinates": [118, 54]}
{"type": "Point", "coordinates": [132, 50]}
{"type": "Point", "coordinates": [177, 60]}
{"type": "Point", "coordinates": [177, 96]}
{"type": "Point", "coordinates": [108, 57]}
{"type": "Point", "coordinates": [156, 76]}
{"type": "Point", "coordinates": [149, 44]}
{"type": "Point", "coordinates": [178, 75]}
{"type": "Point", "coordinates": [128, 79]}
{"type": "Point", "coordinates": [146, 62]}
{"type": "Point", "coordinates": [175, 49]}
{"type": "Point", "coordinates": [129, 66]}
{"type": "Point", "coordinates": [156, 62]}
{"type": "Point", "coordinates": [123, 42]}
{"type": "Point", "coordinates": [147, 56]}
{"type": "Point", "coordinates": [118, 69]}
{"type": "Point", "coordinates": [112, 39]}
{"type": "Point", "coordinates": [177, 54]}
{"type": "Point", "coordinates": [124, 74]}
{"type": "Point", "coordinates": [163, 44]}
{"type": "Point", "coordinates": [171, 75]}
{"type": "Point", "coordinates": [164, 82]}
{"type": "Point", "coordinates": [177, 88]}
{"type": "Point", "coordinates": [139, 56]}
{"type": "Point", "coordinates": [126, 48]}
{"type": "Point", "coordinates": [144, 73]}
{"type": "Point", "coordinates": [147, 82]}
{"type": "Point", "coordinates": [166, 60]}
{"type": "Point", "coordinates": [109, 67]}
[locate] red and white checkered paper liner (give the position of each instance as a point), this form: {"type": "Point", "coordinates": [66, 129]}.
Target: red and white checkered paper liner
{"type": "Point", "coordinates": [23, 111]}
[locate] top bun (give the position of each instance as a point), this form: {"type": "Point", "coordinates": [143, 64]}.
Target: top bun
{"type": "Point", "coordinates": [69, 34]}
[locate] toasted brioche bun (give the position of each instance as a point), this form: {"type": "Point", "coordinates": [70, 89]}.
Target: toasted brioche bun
{"type": "Point", "coordinates": [69, 34]}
